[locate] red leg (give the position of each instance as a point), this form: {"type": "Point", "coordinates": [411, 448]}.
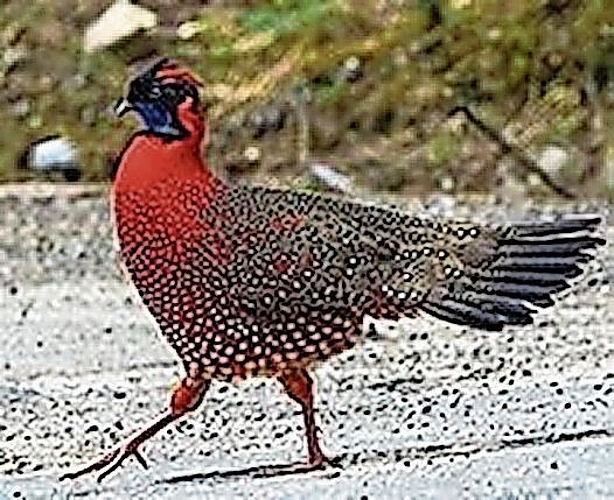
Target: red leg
{"type": "Point", "coordinates": [186, 397]}
{"type": "Point", "coordinates": [299, 386]}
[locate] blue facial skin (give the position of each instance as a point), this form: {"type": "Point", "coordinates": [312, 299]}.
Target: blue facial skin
{"type": "Point", "coordinates": [157, 118]}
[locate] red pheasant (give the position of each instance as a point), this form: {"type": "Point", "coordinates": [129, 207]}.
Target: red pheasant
{"type": "Point", "coordinates": [254, 281]}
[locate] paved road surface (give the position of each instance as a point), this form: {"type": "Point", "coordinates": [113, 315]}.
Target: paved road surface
{"type": "Point", "coordinates": [427, 412]}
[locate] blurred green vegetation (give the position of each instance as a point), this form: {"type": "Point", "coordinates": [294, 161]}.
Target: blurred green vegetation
{"type": "Point", "coordinates": [378, 80]}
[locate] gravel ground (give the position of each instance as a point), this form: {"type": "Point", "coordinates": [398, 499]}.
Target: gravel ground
{"type": "Point", "coordinates": [430, 411]}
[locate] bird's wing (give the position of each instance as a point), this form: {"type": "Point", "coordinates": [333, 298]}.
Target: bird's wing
{"type": "Point", "coordinates": [285, 251]}
{"type": "Point", "coordinates": [295, 251]}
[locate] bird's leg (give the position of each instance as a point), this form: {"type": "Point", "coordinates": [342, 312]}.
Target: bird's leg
{"type": "Point", "coordinates": [186, 396]}
{"type": "Point", "coordinates": [299, 386]}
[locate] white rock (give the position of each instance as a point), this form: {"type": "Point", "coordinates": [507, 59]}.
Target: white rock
{"type": "Point", "coordinates": [330, 178]}
{"type": "Point", "coordinates": [20, 109]}
{"type": "Point", "coordinates": [14, 55]}
{"type": "Point", "coordinates": [252, 154]}
{"type": "Point", "coordinates": [447, 183]}
{"type": "Point", "coordinates": [352, 63]}
{"type": "Point", "coordinates": [552, 159]}
{"type": "Point", "coordinates": [188, 30]}
{"type": "Point", "coordinates": [533, 180]}
{"type": "Point", "coordinates": [55, 153]}
{"type": "Point", "coordinates": [120, 20]}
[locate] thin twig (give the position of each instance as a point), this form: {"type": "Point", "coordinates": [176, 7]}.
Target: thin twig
{"type": "Point", "coordinates": [508, 148]}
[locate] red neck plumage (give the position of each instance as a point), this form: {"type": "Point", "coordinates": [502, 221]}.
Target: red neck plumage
{"type": "Point", "coordinates": [149, 159]}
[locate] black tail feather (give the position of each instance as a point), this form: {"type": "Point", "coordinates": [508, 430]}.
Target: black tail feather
{"type": "Point", "coordinates": [531, 264]}
{"type": "Point", "coordinates": [561, 226]}
{"type": "Point", "coordinates": [536, 295]}
{"type": "Point", "coordinates": [542, 277]}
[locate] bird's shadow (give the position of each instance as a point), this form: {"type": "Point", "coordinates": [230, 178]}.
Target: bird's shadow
{"type": "Point", "coordinates": [404, 455]}
{"type": "Point", "coordinates": [258, 472]}
{"type": "Point", "coordinates": [330, 470]}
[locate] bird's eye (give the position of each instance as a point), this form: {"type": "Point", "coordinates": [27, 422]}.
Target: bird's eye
{"type": "Point", "coordinates": [170, 91]}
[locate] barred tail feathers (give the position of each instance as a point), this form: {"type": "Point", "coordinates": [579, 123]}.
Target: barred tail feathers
{"type": "Point", "coordinates": [532, 263]}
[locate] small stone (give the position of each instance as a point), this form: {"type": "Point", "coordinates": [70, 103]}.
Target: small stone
{"type": "Point", "coordinates": [330, 178]}
{"type": "Point", "coordinates": [494, 34]}
{"type": "Point", "coordinates": [52, 153]}
{"type": "Point", "coordinates": [352, 63]}
{"type": "Point", "coordinates": [447, 92]}
{"type": "Point", "coordinates": [20, 109]}
{"type": "Point", "coordinates": [552, 159]}
{"type": "Point", "coordinates": [252, 154]}
{"type": "Point", "coordinates": [121, 20]}
{"type": "Point", "coordinates": [351, 69]}
{"type": "Point", "coordinates": [14, 55]}
{"type": "Point", "coordinates": [45, 83]}
{"type": "Point", "coordinates": [447, 183]}
{"type": "Point", "coordinates": [188, 30]}
{"type": "Point", "coordinates": [533, 180]}
{"type": "Point", "coordinates": [119, 394]}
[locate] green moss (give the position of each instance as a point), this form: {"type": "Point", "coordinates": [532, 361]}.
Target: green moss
{"type": "Point", "coordinates": [285, 16]}
{"type": "Point", "coordinates": [442, 148]}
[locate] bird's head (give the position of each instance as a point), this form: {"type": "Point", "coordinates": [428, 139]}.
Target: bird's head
{"type": "Point", "coordinates": [165, 97]}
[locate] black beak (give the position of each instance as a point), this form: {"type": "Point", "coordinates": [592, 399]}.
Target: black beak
{"type": "Point", "coordinates": [122, 106]}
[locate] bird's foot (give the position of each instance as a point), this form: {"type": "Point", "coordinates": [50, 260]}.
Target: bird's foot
{"type": "Point", "coordinates": [109, 462]}
{"type": "Point", "coordinates": [316, 462]}
{"type": "Point", "coordinates": [319, 461]}
{"type": "Point", "coordinates": [112, 460]}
